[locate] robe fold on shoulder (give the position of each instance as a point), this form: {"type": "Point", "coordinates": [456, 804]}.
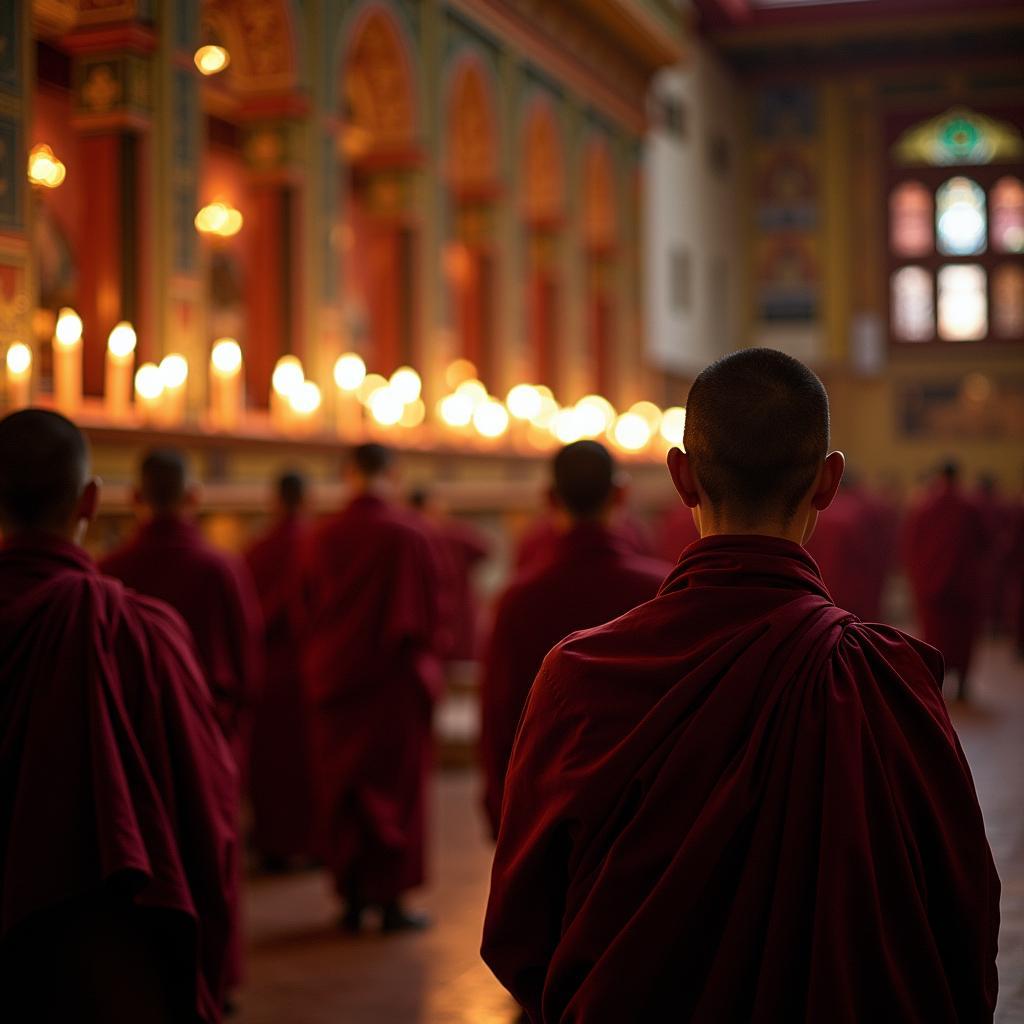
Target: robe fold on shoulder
{"type": "Point", "coordinates": [590, 577]}
{"type": "Point", "coordinates": [280, 782]}
{"type": "Point", "coordinates": [114, 776]}
{"type": "Point", "coordinates": [737, 803]}
{"type": "Point", "coordinates": [368, 616]}
{"type": "Point", "coordinates": [946, 550]}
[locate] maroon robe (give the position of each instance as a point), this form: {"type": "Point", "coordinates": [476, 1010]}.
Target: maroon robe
{"type": "Point", "coordinates": [590, 577]}
{"type": "Point", "coordinates": [737, 803]}
{"type": "Point", "coordinates": [368, 601]}
{"type": "Point", "coordinates": [536, 543]}
{"type": "Point", "coordinates": [116, 786]}
{"type": "Point", "coordinates": [676, 532]}
{"type": "Point", "coordinates": [946, 548]}
{"type": "Point", "coordinates": [280, 782]}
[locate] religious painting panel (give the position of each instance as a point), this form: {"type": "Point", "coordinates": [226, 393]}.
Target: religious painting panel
{"type": "Point", "coordinates": [976, 406]}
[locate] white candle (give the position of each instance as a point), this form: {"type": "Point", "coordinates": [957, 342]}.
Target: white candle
{"type": "Point", "coordinates": [67, 362]}
{"type": "Point", "coordinates": [225, 384]}
{"type": "Point", "coordinates": [149, 391]}
{"type": "Point", "coordinates": [305, 404]}
{"type": "Point", "coordinates": [349, 374]}
{"type": "Point", "coordinates": [19, 375]}
{"type": "Point", "coordinates": [287, 379]}
{"type": "Point", "coordinates": [117, 388]}
{"type": "Point", "coordinates": [174, 375]}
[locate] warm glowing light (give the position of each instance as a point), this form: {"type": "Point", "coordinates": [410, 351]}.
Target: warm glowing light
{"type": "Point", "coordinates": [122, 340]}
{"type": "Point", "coordinates": [406, 384]}
{"type": "Point", "coordinates": [69, 327]}
{"type": "Point", "coordinates": [219, 219]}
{"type": "Point", "coordinates": [568, 425]}
{"type": "Point", "coordinates": [19, 358]}
{"type": "Point", "coordinates": [212, 59]}
{"type": "Point", "coordinates": [44, 168]}
{"type": "Point", "coordinates": [631, 432]}
{"type": "Point", "coordinates": [548, 410]}
{"type": "Point", "coordinates": [597, 414]}
{"type": "Point", "coordinates": [226, 356]}
{"type": "Point", "coordinates": [473, 391]}
{"type": "Point", "coordinates": [305, 398]}
{"type": "Point", "coordinates": [349, 371]}
{"type": "Point", "coordinates": [288, 376]}
{"type": "Point", "coordinates": [673, 423]}
{"type": "Point", "coordinates": [386, 406]}
{"type": "Point", "coordinates": [648, 412]}
{"type": "Point", "coordinates": [456, 410]}
{"type": "Point", "coordinates": [523, 401]}
{"type": "Point", "coordinates": [149, 382]}
{"type": "Point", "coordinates": [372, 382]}
{"type": "Point", "coordinates": [174, 370]}
{"type": "Point", "coordinates": [414, 414]}
{"type": "Point", "coordinates": [458, 371]}
{"type": "Point", "coordinates": [490, 418]}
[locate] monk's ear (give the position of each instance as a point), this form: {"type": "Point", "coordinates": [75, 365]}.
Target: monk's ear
{"type": "Point", "coordinates": [828, 480]}
{"type": "Point", "coordinates": [683, 477]}
{"type": "Point", "coordinates": [89, 502]}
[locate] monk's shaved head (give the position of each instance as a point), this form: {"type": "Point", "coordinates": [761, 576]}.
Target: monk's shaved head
{"type": "Point", "coordinates": [44, 467]}
{"type": "Point", "coordinates": [291, 490]}
{"type": "Point", "coordinates": [757, 430]}
{"type": "Point", "coordinates": [163, 480]}
{"type": "Point", "coordinates": [584, 478]}
{"type": "Point", "coordinates": [372, 460]}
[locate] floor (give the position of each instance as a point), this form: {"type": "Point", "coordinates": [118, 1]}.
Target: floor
{"type": "Point", "coordinates": [301, 970]}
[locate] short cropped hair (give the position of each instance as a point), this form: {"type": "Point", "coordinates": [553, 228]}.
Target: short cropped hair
{"type": "Point", "coordinates": [291, 489]}
{"type": "Point", "coordinates": [44, 465]}
{"type": "Point", "coordinates": [372, 459]}
{"type": "Point", "coordinates": [163, 479]}
{"type": "Point", "coordinates": [757, 430]}
{"type": "Point", "coordinates": [584, 477]}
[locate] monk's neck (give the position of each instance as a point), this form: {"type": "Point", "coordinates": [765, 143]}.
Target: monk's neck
{"type": "Point", "coordinates": [796, 530]}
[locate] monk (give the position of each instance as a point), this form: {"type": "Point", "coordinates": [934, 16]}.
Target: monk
{"type": "Point", "coordinates": [737, 802]}
{"type": "Point", "coordinates": [676, 532]}
{"type": "Point", "coordinates": [368, 604]}
{"type": "Point", "coordinates": [280, 784]}
{"type": "Point", "coordinates": [117, 791]}
{"type": "Point", "coordinates": [169, 559]}
{"type": "Point", "coordinates": [946, 552]}
{"type": "Point", "coordinates": [591, 576]}
{"type": "Point", "coordinates": [540, 539]}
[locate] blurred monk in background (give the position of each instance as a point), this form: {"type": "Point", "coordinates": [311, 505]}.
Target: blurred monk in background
{"type": "Point", "coordinates": [280, 783]}
{"type": "Point", "coordinates": [536, 543]}
{"type": "Point", "coordinates": [368, 602]}
{"type": "Point", "coordinates": [738, 803]}
{"type": "Point", "coordinates": [946, 549]}
{"type": "Point", "coordinates": [117, 791]}
{"type": "Point", "coordinates": [676, 531]}
{"type": "Point", "coordinates": [590, 575]}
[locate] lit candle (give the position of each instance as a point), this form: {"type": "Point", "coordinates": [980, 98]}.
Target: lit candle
{"type": "Point", "coordinates": [305, 403]}
{"type": "Point", "coordinates": [149, 390]}
{"type": "Point", "coordinates": [120, 359]}
{"type": "Point", "coordinates": [67, 362]}
{"type": "Point", "coordinates": [225, 384]}
{"type": "Point", "coordinates": [174, 376]}
{"type": "Point", "coordinates": [286, 380]}
{"type": "Point", "coordinates": [19, 375]}
{"type": "Point", "coordinates": [349, 374]}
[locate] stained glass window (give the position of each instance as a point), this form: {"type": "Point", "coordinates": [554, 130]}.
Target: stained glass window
{"type": "Point", "coordinates": [1008, 215]}
{"type": "Point", "coordinates": [910, 220]}
{"type": "Point", "coordinates": [913, 312]}
{"type": "Point", "coordinates": [1008, 301]}
{"type": "Point", "coordinates": [960, 220]}
{"type": "Point", "coordinates": [963, 305]}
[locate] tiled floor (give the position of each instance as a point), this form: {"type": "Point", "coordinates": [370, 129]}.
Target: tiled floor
{"type": "Point", "coordinates": [302, 971]}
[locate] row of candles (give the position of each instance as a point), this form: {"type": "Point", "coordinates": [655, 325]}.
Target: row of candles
{"type": "Point", "coordinates": [367, 404]}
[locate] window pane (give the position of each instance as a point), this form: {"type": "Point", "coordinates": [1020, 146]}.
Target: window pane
{"type": "Point", "coordinates": [1008, 301]}
{"type": "Point", "coordinates": [910, 220]}
{"type": "Point", "coordinates": [963, 312]}
{"type": "Point", "coordinates": [1008, 215]}
{"type": "Point", "coordinates": [913, 314]}
{"type": "Point", "coordinates": [960, 217]}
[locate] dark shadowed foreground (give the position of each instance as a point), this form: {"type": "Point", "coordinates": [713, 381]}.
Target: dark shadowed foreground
{"type": "Point", "coordinates": [302, 971]}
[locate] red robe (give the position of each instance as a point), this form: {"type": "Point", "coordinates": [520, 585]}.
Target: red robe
{"type": "Point", "coordinates": [114, 777]}
{"type": "Point", "coordinates": [946, 548]}
{"type": "Point", "coordinates": [536, 543]}
{"type": "Point", "coordinates": [676, 532]}
{"type": "Point", "coordinates": [280, 782]}
{"type": "Point", "coordinates": [461, 548]}
{"type": "Point", "coordinates": [737, 803]}
{"type": "Point", "coordinates": [590, 577]}
{"type": "Point", "coordinates": [368, 602]}
{"type": "Point", "coordinates": [169, 559]}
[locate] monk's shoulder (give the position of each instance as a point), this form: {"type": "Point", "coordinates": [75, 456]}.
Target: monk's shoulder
{"type": "Point", "coordinates": [912, 659]}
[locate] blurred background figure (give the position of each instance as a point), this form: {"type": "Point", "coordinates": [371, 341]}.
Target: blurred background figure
{"type": "Point", "coordinates": [280, 785]}
{"type": "Point", "coordinates": [946, 549]}
{"type": "Point", "coordinates": [997, 516]}
{"type": "Point", "coordinates": [676, 531]}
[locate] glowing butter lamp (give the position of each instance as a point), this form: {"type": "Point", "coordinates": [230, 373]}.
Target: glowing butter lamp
{"type": "Point", "coordinates": [569, 425]}
{"type": "Point", "coordinates": [286, 379]}
{"type": "Point", "coordinates": [406, 384]}
{"type": "Point", "coordinates": [305, 402]}
{"type": "Point", "coordinates": [149, 390]}
{"type": "Point", "coordinates": [19, 375]}
{"type": "Point", "coordinates": [211, 59]}
{"type": "Point", "coordinates": [349, 374]}
{"type": "Point", "coordinates": [174, 374]}
{"type": "Point", "coordinates": [225, 384]}
{"type": "Point", "coordinates": [385, 406]}
{"type": "Point", "coordinates": [631, 432]}
{"type": "Point", "coordinates": [648, 412]}
{"type": "Point", "coordinates": [372, 383]}
{"type": "Point", "coordinates": [490, 418]}
{"type": "Point", "coordinates": [67, 361]}
{"type": "Point", "coordinates": [473, 390]}
{"type": "Point", "coordinates": [117, 388]}
{"type": "Point", "coordinates": [673, 423]}
{"type": "Point", "coordinates": [455, 410]}
{"type": "Point", "coordinates": [44, 168]}
{"type": "Point", "coordinates": [523, 401]}
{"type": "Point", "coordinates": [458, 371]}
{"type": "Point", "coordinates": [414, 414]}
{"type": "Point", "coordinates": [220, 219]}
